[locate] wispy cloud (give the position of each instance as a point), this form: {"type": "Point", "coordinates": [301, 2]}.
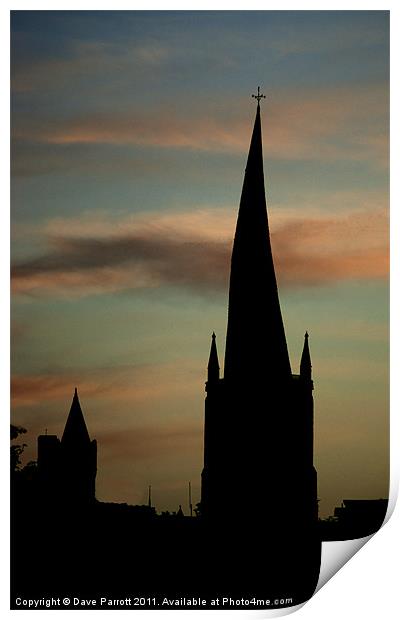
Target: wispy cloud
{"type": "Point", "coordinates": [106, 265]}
{"type": "Point", "coordinates": [174, 43]}
{"type": "Point", "coordinates": [166, 129]}
{"type": "Point", "coordinates": [81, 59]}
{"type": "Point", "coordinates": [329, 249]}
{"type": "Point", "coordinates": [192, 251]}
{"type": "Point", "coordinates": [329, 124]}
{"type": "Point", "coordinates": [135, 384]}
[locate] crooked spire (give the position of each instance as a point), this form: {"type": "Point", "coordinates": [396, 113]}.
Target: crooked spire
{"type": "Point", "coordinates": [255, 343]}
{"type": "Point", "coordinates": [305, 363]}
{"type": "Point", "coordinates": [213, 364]}
{"type": "Point", "coordinates": [75, 431]}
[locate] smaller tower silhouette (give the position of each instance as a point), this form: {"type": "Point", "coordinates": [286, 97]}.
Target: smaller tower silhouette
{"type": "Point", "coordinates": [67, 468]}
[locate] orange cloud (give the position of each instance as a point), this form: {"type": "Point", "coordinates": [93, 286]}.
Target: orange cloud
{"type": "Point", "coordinates": [192, 251]}
{"type": "Point", "coordinates": [136, 384]}
{"type": "Point", "coordinates": [346, 123]}
{"type": "Point", "coordinates": [168, 130]}
{"type": "Point", "coordinates": [328, 249]}
{"type": "Point", "coordinates": [35, 389]}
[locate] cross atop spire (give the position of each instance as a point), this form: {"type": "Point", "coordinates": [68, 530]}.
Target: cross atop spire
{"type": "Point", "coordinates": [258, 96]}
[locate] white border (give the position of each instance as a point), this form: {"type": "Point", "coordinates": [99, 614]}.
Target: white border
{"type": "Point", "coordinates": [367, 586]}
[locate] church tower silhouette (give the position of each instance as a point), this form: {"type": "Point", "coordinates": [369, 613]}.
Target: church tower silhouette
{"type": "Point", "coordinates": [258, 431]}
{"type": "Point", "coordinates": [67, 468]}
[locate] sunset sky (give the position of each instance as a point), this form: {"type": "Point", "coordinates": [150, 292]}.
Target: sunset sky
{"type": "Point", "coordinates": [130, 133]}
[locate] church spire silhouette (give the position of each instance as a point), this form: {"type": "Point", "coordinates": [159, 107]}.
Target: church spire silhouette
{"type": "Point", "coordinates": [258, 425]}
{"type": "Point", "coordinates": [255, 341]}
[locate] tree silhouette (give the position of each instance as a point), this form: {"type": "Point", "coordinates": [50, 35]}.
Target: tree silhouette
{"type": "Point", "coordinates": [16, 450]}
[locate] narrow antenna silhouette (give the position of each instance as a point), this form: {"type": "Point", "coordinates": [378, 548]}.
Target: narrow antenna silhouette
{"type": "Point", "coordinates": [149, 502]}
{"type": "Point", "coordinates": [190, 500]}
